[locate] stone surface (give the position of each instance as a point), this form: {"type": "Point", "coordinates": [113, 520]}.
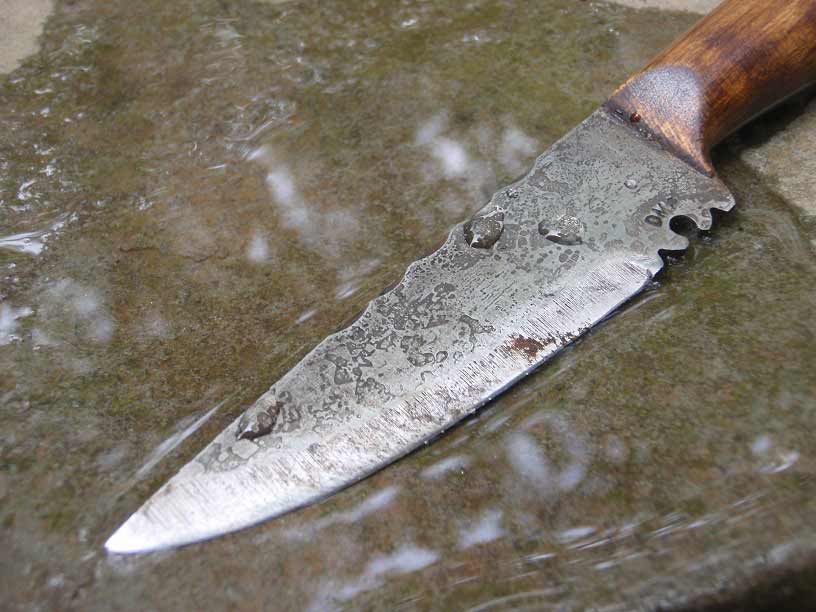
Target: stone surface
{"type": "Point", "coordinates": [785, 156]}
{"type": "Point", "coordinates": [194, 193]}
{"type": "Point", "coordinates": [21, 22]}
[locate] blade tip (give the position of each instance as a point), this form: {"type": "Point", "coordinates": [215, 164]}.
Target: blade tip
{"type": "Point", "coordinates": [122, 542]}
{"type": "Point", "coordinates": [130, 540]}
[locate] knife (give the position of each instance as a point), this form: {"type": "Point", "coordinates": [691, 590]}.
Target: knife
{"type": "Point", "coordinates": [547, 258]}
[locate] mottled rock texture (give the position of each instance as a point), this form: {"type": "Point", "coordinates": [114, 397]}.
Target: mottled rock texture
{"type": "Point", "coordinates": [194, 193]}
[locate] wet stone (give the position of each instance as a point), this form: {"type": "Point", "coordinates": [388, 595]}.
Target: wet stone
{"type": "Point", "coordinates": [484, 231]}
{"type": "Point", "coordinates": [168, 149]}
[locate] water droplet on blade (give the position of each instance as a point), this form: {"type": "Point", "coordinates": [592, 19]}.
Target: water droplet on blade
{"type": "Point", "coordinates": [261, 424]}
{"type": "Point", "coordinates": [567, 231]}
{"type": "Point", "coordinates": [484, 231]}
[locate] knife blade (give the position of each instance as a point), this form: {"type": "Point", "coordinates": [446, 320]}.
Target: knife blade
{"type": "Point", "coordinates": [546, 259]}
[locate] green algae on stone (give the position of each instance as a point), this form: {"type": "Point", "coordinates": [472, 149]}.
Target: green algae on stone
{"type": "Point", "coordinates": [235, 180]}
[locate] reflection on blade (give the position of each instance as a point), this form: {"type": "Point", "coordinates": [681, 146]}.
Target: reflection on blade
{"type": "Point", "coordinates": [546, 259]}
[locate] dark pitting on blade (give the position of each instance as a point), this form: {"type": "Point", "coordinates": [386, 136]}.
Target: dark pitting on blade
{"type": "Point", "coordinates": [484, 231]}
{"type": "Point", "coordinates": [251, 427]}
{"type": "Point", "coordinates": [567, 231]}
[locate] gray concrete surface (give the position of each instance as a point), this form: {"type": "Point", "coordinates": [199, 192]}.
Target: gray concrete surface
{"type": "Point", "coordinates": [787, 160]}
{"type": "Point", "coordinates": [21, 22]}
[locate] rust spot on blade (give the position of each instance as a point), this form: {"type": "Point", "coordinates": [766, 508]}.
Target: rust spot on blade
{"type": "Point", "coordinates": [529, 347]}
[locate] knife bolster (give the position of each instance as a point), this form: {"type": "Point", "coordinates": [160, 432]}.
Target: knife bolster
{"type": "Point", "coordinates": [740, 60]}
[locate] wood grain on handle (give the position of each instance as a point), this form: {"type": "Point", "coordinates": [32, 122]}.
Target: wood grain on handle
{"type": "Point", "coordinates": [742, 59]}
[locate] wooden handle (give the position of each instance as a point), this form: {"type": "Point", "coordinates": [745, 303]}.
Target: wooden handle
{"type": "Point", "coordinates": [744, 58]}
